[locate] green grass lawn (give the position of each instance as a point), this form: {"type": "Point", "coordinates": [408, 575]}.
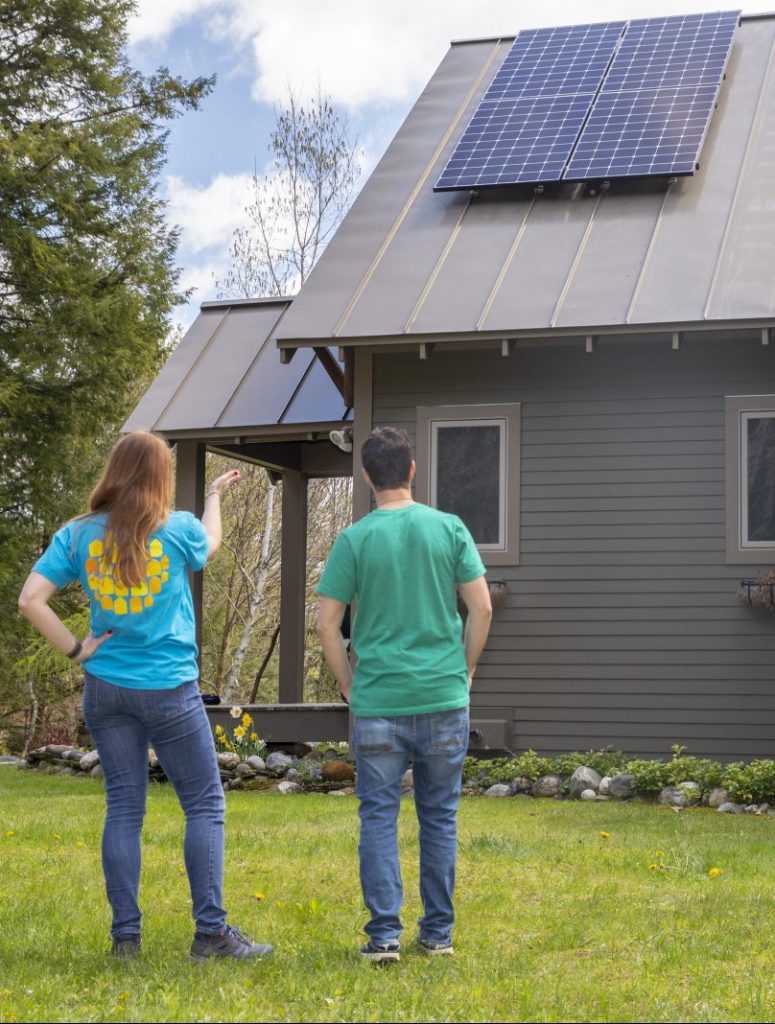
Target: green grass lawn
{"type": "Point", "coordinates": [556, 921]}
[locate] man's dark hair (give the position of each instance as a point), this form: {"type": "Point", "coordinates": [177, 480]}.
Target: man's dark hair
{"type": "Point", "coordinates": [386, 455]}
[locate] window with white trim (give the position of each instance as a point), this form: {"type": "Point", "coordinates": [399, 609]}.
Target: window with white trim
{"type": "Point", "coordinates": [750, 478]}
{"type": "Point", "coordinates": [468, 464]}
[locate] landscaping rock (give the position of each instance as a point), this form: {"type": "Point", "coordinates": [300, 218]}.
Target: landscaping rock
{"type": "Point", "coordinates": [587, 794]}
{"type": "Point", "coordinates": [228, 760]}
{"type": "Point", "coordinates": [288, 787]}
{"type": "Point", "coordinates": [691, 791]}
{"type": "Point", "coordinates": [547, 785]}
{"type": "Point", "coordinates": [72, 755]}
{"type": "Point", "coordinates": [258, 764]}
{"type": "Point", "coordinates": [89, 760]}
{"type": "Point", "coordinates": [605, 782]}
{"type": "Point", "coordinates": [499, 789]}
{"type": "Point", "coordinates": [245, 770]}
{"type": "Point", "coordinates": [730, 808]}
{"type": "Point", "coordinates": [408, 778]}
{"type": "Point", "coordinates": [7, 759]}
{"type": "Point", "coordinates": [278, 763]}
{"type": "Point", "coordinates": [718, 796]}
{"type": "Point", "coordinates": [153, 761]}
{"type": "Point", "coordinates": [622, 786]}
{"type": "Point", "coordinates": [523, 784]}
{"type": "Point", "coordinates": [583, 778]}
{"type": "Point", "coordinates": [683, 795]}
{"type": "Point", "coordinates": [601, 797]}
{"type": "Point", "coordinates": [750, 809]}
{"type": "Point", "coordinates": [294, 775]}
{"type": "Point", "coordinates": [314, 755]}
{"type": "Point", "coordinates": [256, 783]}
{"type": "Point", "coordinates": [329, 754]}
{"type": "Point", "coordinates": [336, 792]}
{"type": "Point", "coordinates": [55, 749]}
{"type": "Point", "coordinates": [338, 771]}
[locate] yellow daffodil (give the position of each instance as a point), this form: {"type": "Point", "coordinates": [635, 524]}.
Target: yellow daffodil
{"type": "Point", "coordinates": [254, 737]}
{"type": "Point", "coordinates": [715, 872]}
{"type": "Point", "coordinates": [219, 730]}
{"type": "Point", "coordinates": [247, 720]}
{"type": "Point", "coordinates": [239, 732]}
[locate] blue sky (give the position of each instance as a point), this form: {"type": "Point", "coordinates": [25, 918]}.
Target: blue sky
{"type": "Point", "coordinates": [372, 59]}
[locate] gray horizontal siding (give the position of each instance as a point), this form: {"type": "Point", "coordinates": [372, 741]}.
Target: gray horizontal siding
{"type": "Point", "coordinates": [621, 624]}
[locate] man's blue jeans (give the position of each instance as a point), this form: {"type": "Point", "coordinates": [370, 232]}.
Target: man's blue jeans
{"type": "Point", "coordinates": [437, 744]}
{"type": "Point", "coordinates": [122, 722]}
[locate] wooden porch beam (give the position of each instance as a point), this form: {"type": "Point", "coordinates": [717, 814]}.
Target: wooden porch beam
{"type": "Point", "coordinates": [190, 497]}
{"type": "Point", "coordinates": [332, 368]}
{"type": "Point", "coordinates": [293, 587]}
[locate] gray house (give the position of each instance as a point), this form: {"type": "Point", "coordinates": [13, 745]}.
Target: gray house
{"type": "Point", "coordinates": [589, 373]}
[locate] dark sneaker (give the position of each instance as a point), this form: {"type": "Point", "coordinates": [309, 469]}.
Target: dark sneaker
{"type": "Point", "coordinates": [381, 951]}
{"type": "Point", "coordinates": [231, 943]}
{"type": "Point", "coordinates": [127, 947]}
{"type": "Point", "coordinates": [435, 948]}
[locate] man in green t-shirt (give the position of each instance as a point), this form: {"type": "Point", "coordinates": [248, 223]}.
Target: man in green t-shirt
{"type": "Point", "coordinates": [401, 567]}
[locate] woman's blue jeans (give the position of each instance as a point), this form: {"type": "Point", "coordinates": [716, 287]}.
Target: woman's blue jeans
{"type": "Point", "coordinates": [123, 722]}
{"type": "Point", "coordinates": [437, 744]}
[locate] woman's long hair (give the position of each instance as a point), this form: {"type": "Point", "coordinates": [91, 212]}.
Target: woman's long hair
{"type": "Point", "coordinates": [135, 491]}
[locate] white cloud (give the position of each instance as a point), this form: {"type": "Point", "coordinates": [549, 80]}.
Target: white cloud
{"type": "Point", "coordinates": [373, 53]}
{"type": "Point", "coordinates": [155, 19]}
{"type": "Point", "coordinates": [207, 215]}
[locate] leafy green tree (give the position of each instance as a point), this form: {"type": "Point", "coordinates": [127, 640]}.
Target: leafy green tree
{"type": "Point", "coordinates": [87, 280]}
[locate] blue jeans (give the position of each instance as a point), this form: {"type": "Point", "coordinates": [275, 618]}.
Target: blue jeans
{"type": "Point", "coordinates": [122, 722]}
{"type": "Point", "coordinates": [437, 744]}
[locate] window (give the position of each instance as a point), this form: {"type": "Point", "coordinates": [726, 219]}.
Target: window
{"type": "Point", "coordinates": [468, 464]}
{"type": "Point", "coordinates": [750, 478]}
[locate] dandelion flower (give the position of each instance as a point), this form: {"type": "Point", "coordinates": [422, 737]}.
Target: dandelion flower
{"type": "Point", "coordinates": [606, 835]}
{"type": "Point", "coordinates": [259, 895]}
{"type": "Point", "coordinates": [56, 835]}
{"type": "Point", "coordinates": [660, 853]}
{"type": "Point", "coordinates": [10, 833]}
{"type": "Point", "coordinates": [236, 712]}
{"type": "Point", "coordinates": [715, 872]}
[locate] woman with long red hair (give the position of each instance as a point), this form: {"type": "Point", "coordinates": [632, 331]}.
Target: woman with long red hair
{"type": "Point", "coordinates": [132, 556]}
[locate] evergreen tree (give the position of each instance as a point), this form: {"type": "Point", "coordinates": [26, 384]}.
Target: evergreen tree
{"type": "Point", "coordinates": [87, 281]}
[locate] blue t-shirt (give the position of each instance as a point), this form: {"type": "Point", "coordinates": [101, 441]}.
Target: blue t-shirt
{"type": "Point", "coordinates": [153, 646]}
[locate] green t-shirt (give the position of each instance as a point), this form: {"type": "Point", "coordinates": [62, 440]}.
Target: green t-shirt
{"type": "Point", "coordinates": [401, 567]}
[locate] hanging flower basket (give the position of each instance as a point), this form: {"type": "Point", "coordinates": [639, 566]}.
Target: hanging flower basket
{"type": "Point", "coordinates": [758, 592]}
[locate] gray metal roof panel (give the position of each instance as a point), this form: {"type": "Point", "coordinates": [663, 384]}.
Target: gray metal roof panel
{"type": "Point", "coordinates": [162, 392]}
{"type": "Point", "coordinates": [408, 261]}
{"type": "Point", "coordinates": [226, 373]}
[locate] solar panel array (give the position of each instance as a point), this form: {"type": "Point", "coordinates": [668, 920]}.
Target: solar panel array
{"type": "Point", "coordinates": [531, 116]}
{"type": "Point", "coordinates": [596, 101]}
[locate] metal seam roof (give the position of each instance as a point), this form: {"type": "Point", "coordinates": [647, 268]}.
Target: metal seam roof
{"type": "Point", "coordinates": [410, 263]}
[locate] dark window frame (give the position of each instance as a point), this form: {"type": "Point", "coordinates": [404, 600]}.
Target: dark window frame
{"type": "Point", "coordinates": [739, 550]}
{"type": "Point", "coordinates": [507, 415]}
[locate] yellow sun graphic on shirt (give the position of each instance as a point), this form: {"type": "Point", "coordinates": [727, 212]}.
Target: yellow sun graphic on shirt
{"type": "Point", "coordinates": [111, 592]}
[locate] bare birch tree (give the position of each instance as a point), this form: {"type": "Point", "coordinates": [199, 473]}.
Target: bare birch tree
{"type": "Point", "coordinates": [294, 207]}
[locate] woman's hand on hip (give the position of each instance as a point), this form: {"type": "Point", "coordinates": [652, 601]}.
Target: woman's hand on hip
{"type": "Point", "coordinates": [90, 644]}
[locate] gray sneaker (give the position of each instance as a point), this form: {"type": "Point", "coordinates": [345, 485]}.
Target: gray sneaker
{"type": "Point", "coordinates": [232, 942]}
{"type": "Point", "coordinates": [126, 948]}
{"type": "Point", "coordinates": [378, 952]}
{"type": "Point", "coordinates": [435, 948]}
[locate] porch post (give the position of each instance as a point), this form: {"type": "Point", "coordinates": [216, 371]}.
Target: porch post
{"type": "Point", "coordinates": [190, 497]}
{"type": "Point", "coordinates": [362, 424]}
{"type": "Point", "coordinates": [293, 587]}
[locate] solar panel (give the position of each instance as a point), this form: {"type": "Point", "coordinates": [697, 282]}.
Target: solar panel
{"type": "Point", "coordinates": [655, 105]}
{"type": "Point", "coordinates": [526, 125]}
